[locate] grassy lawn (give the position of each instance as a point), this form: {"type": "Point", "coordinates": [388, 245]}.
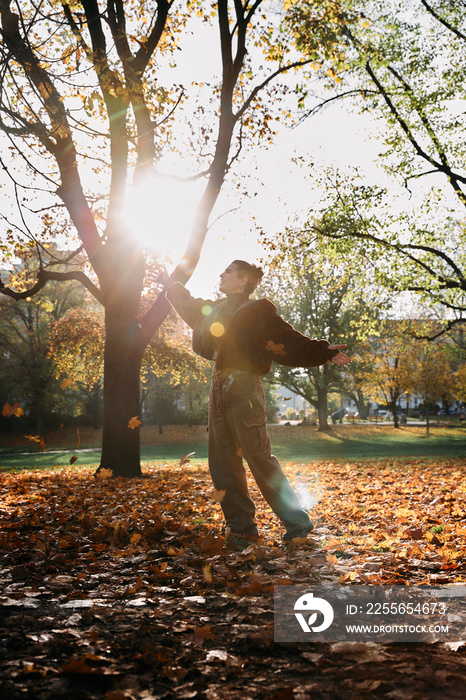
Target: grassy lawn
{"type": "Point", "coordinates": [290, 443]}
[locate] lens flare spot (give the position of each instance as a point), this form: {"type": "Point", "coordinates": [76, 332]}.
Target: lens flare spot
{"type": "Point", "coordinates": [217, 329]}
{"type": "Point", "coordinates": [308, 495]}
{"type": "Point", "coordinates": [206, 310]}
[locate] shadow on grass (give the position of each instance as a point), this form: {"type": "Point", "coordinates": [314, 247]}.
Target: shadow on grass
{"type": "Point", "coordinates": [293, 443]}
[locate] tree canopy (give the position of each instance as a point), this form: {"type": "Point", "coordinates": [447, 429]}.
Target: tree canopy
{"type": "Point", "coordinates": [404, 63]}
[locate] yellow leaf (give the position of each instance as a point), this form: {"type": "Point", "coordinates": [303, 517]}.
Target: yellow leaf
{"type": "Point", "coordinates": [135, 538]}
{"type": "Point", "coordinates": [33, 438]}
{"type": "Point", "coordinates": [134, 423]}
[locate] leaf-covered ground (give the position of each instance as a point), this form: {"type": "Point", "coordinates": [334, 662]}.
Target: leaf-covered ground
{"type": "Point", "coordinates": [129, 589]}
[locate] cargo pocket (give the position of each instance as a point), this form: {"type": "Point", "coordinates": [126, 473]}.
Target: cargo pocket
{"type": "Point", "coordinates": [255, 436]}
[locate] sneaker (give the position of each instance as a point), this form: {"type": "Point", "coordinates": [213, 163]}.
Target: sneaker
{"type": "Point", "coordinates": [300, 533]}
{"type": "Point", "coordinates": [240, 541]}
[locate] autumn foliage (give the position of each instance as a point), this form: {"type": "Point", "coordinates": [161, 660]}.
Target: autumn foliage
{"type": "Point", "coordinates": [116, 584]}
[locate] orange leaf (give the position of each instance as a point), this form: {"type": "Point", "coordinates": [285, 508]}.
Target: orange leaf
{"type": "Point", "coordinates": [73, 459]}
{"type": "Point", "coordinates": [105, 473]}
{"type": "Point", "coordinates": [211, 545]}
{"type": "Point", "coordinates": [185, 458]}
{"type": "Point", "coordinates": [134, 423]}
{"type": "Point", "coordinates": [9, 410]}
{"type": "Point", "coordinates": [276, 348]}
{"type": "Point", "coordinates": [33, 438]}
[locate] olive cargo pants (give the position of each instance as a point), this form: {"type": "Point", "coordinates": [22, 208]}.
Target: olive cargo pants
{"type": "Point", "coordinates": [237, 429]}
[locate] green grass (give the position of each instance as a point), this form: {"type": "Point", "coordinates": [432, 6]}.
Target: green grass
{"type": "Point", "coordinates": [290, 443]}
{"type": "Point", "coordinates": [358, 442]}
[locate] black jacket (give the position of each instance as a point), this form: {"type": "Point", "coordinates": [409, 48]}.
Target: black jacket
{"type": "Point", "coordinates": [253, 337]}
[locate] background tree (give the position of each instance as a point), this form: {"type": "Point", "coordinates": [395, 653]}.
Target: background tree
{"type": "Point", "coordinates": [393, 365]}
{"type": "Point", "coordinates": [403, 62]}
{"type": "Point", "coordinates": [322, 298]}
{"type": "Point", "coordinates": [359, 384]}
{"type": "Point", "coordinates": [76, 343]}
{"type": "Point", "coordinates": [432, 376]}
{"type": "Point", "coordinates": [83, 85]}
{"type": "Point", "coordinates": [27, 372]}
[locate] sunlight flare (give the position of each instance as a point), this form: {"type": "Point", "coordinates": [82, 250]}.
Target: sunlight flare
{"type": "Point", "coordinates": [159, 212]}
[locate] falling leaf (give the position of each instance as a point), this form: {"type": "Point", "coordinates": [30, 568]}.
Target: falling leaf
{"type": "Point", "coordinates": [219, 495]}
{"type": "Point", "coordinates": [65, 383]}
{"type": "Point", "coordinates": [42, 444]}
{"type": "Point", "coordinates": [207, 573]}
{"type": "Point", "coordinates": [185, 459]}
{"type": "Point", "coordinates": [73, 459]}
{"type": "Point", "coordinates": [134, 423]}
{"type": "Point", "coordinates": [287, 398]}
{"type": "Point", "coordinates": [34, 438]}
{"type": "Point", "coordinates": [276, 348]}
{"type": "Point", "coordinates": [9, 410]}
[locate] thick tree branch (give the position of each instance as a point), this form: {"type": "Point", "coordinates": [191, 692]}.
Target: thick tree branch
{"type": "Point", "coordinates": [116, 100]}
{"type": "Point", "coordinates": [45, 276]}
{"type": "Point", "coordinates": [63, 149]}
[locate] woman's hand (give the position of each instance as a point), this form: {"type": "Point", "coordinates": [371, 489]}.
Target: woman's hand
{"type": "Point", "coordinates": [340, 358]}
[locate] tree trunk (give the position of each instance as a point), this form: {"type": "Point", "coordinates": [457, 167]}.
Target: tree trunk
{"type": "Point", "coordinates": [122, 365]}
{"type": "Point", "coordinates": [363, 407]}
{"type": "Point", "coordinates": [396, 422]}
{"type": "Point", "coordinates": [95, 407]}
{"type": "Point", "coordinates": [322, 408]}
